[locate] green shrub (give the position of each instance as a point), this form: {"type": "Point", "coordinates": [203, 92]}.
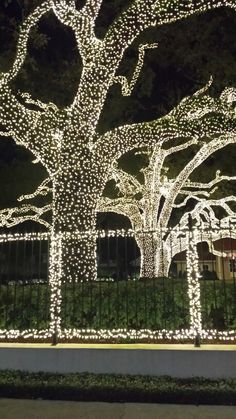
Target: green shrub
{"type": "Point", "coordinates": [116, 388]}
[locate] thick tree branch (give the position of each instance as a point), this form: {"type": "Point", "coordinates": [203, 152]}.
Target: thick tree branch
{"type": "Point", "coordinates": [82, 23]}
{"type": "Point", "coordinates": [99, 74]}
{"type": "Point", "coordinates": [142, 14]}
{"type": "Point", "coordinates": [122, 206]}
{"type": "Point", "coordinates": [195, 117]}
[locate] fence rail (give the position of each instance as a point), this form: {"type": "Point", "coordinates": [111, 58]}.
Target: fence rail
{"type": "Point", "coordinates": [196, 299]}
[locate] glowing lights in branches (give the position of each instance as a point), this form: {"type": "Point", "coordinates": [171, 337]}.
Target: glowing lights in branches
{"type": "Point", "coordinates": [126, 86]}
{"type": "Point", "coordinates": [66, 141]}
{"type": "Point", "coordinates": [143, 203]}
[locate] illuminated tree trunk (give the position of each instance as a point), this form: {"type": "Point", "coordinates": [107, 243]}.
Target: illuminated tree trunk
{"type": "Point", "coordinates": [163, 262]}
{"type": "Point", "coordinates": [74, 223]}
{"type": "Point", "coordinates": [155, 261]}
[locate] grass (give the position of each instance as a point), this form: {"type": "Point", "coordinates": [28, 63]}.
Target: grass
{"type": "Point", "coordinates": [116, 388]}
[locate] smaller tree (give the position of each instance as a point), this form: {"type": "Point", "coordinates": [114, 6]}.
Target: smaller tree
{"type": "Point", "coordinates": [150, 205]}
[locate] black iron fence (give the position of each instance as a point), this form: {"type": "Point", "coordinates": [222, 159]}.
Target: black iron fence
{"type": "Point", "coordinates": [120, 304]}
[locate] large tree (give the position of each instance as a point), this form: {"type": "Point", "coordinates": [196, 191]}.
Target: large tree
{"type": "Point", "coordinates": [66, 140]}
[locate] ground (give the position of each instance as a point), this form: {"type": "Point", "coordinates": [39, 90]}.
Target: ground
{"type": "Point", "coordinates": [38, 409]}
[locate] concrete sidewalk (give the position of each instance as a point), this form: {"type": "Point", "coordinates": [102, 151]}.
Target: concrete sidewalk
{"type": "Point", "coordinates": [41, 409]}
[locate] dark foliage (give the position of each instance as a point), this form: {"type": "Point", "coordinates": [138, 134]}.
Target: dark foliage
{"type": "Point", "coordinates": [117, 388]}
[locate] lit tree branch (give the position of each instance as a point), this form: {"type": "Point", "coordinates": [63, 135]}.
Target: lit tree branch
{"type": "Point", "coordinates": [27, 25]}
{"type": "Point", "coordinates": [126, 86]}
{"type": "Point", "coordinates": [13, 216]}
{"type": "Point", "coordinates": [195, 117]}
{"type": "Point", "coordinates": [142, 14]}
{"type": "Point", "coordinates": [180, 147]}
{"type": "Point", "coordinates": [82, 22]}
{"type": "Point", "coordinates": [33, 129]}
{"type": "Point", "coordinates": [205, 151]}
{"type": "Point", "coordinates": [10, 217]}
{"type": "Point", "coordinates": [103, 64]}
{"type": "Point", "coordinates": [201, 185]}
{"type": "Point", "coordinates": [192, 195]}
{"type": "Point", "coordinates": [220, 229]}
{"type": "Point", "coordinates": [127, 184]}
{"type": "Point", "coordinates": [122, 206]}
{"type": "Point", "coordinates": [42, 190]}
{"type": "Point", "coordinates": [200, 188]}
{"type": "Point", "coordinates": [206, 206]}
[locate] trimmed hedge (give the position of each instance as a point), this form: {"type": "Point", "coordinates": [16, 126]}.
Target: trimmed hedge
{"type": "Point", "coordinates": [116, 388]}
{"type": "Point", "coordinates": [160, 303]}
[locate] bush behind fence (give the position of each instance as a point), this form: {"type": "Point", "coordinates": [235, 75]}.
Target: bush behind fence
{"type": "Point", "coordinates": [119, 299]}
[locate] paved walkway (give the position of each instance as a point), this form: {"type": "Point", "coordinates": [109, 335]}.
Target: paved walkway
{"type": "Point", "coordinates": [40, 409]}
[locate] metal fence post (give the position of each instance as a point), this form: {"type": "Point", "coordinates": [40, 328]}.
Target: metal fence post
{"type": "Point", "coordinates": [193, 285]}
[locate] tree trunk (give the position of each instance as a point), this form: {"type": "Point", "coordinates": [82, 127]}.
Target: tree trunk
{"type": "Point", "coordinates": [163, 262]}
{"type": "Point", "coordinates": [154, 257]}
{"type": "Point", "coordinates": [74, 225]}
